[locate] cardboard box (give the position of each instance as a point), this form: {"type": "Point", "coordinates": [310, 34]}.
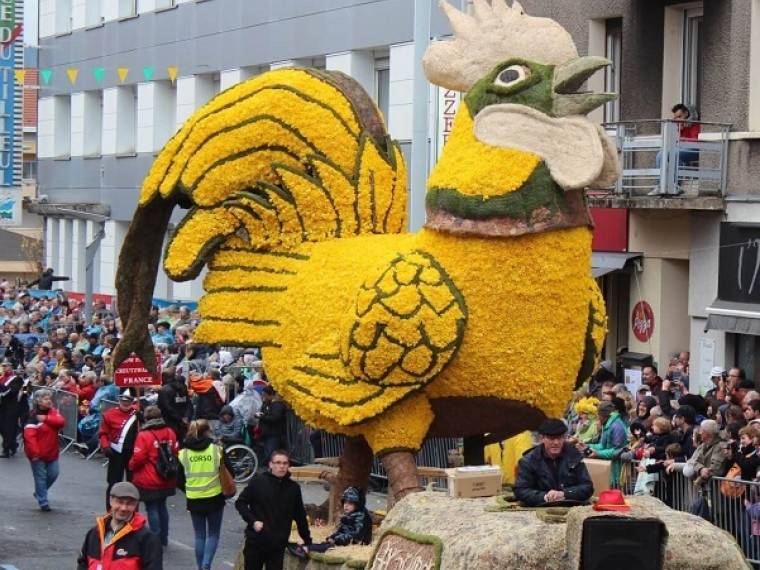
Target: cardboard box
{"type": "Point", "coordinates": [474, 481]}
{"type": "Point", "coordinates": [599, 469]}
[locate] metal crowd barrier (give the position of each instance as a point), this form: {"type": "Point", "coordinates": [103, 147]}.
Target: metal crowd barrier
{"type": "Point", "coordinates": [434, 452]}
{"type": "Point", "coordinates": [727, 511]}
{"type": "Point", "coordinates": [67, 404]}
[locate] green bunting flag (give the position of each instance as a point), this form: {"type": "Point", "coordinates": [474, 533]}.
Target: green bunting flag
{"type": "Point", "coordinates": [148, 73]}
{"type": "Point", "coordinates": [47, 75]}
{"type": "Point", "coordinates": [99, 73]}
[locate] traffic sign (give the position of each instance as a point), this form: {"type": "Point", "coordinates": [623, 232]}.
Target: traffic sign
{"type": "Point", "coordinates": [133, 373]}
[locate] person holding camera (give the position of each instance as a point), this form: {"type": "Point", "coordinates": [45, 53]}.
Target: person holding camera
{"type": "Point", "coordinates": [612, 441]}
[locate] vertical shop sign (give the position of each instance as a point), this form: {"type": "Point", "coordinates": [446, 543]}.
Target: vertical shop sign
{"type": "Point", "coordinates": [7, 95]}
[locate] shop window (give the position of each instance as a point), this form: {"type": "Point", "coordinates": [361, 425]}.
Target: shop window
{"type": "Point", "coordinates": [63, 16]}
{"type": "Point", "coordinates": [29, 171]}
{"type": "Point", "coordinates": [747, 355]}
{"type": "Point", "coordinates": [127, 8]}
{"type": "Point", "coordinates": [93, 13]}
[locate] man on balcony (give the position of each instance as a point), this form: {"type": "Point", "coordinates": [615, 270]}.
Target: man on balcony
{"type": "Point", "coordinates": [687, 131]}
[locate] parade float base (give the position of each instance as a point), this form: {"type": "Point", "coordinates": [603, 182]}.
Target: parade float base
{"type": "Point", "coordinates": [468, 536]}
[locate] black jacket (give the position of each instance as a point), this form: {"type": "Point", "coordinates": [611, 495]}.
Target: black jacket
{"type": "Point", "coordinates": [276, 502]}
{"type": "Point", "coordinates": [272, 420]}
{"type": "Point", "coordinates": [536, 477]}
{"type": "Point", "coordinates": [175, 404]}
{"type": "Point", "coordinates": [45, 281]}
{"type": "Point", "coordinates": [207, 405]}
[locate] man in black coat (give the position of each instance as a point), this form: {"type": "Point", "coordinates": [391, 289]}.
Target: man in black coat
{"type": "Point", "coordinates": [272, 421]}
{"type": "Point", "coordinates": [46, 279]}
{"type": "Point", "coordinates": [175, 404]}
{"type": "Point", "coordinates": [269, 505]}
{"type": "Point", "coordinates": [552, 471]}
{"type": "Point", "coordinates": [12, 408]}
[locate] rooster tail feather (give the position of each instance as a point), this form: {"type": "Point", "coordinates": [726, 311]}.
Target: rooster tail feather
{"type": "Point", "coordinates": [288, 157]}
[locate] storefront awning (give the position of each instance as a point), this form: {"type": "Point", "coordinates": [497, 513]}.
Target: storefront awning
{"type": "Point", "coordinates": [739, 318]}
{"type": "Point", "coordinates": [607, 262]}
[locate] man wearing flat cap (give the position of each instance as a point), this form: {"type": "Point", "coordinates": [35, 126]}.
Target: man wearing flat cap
{"type": "Point", "coordinates": [553, 471]}
{"type": "Point", "coordinates": [121, 539]}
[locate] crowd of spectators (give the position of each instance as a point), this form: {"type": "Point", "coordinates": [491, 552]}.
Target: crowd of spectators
{"type": "Point", "coordinates": [665, 430]}
{"type": "Point", "coordinates": [46, 341]}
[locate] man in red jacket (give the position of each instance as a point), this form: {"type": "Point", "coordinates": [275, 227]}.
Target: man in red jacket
{"type": "Point", "coordinates": [118, 430]}
{"type": "Point", "coordinates": [121, 540]}
{"type": "Point", "coordinates": [41, 444]}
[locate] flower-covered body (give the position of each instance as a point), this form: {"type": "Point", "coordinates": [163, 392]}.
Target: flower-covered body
{"type": "Point", "coordinates": [527, 314]}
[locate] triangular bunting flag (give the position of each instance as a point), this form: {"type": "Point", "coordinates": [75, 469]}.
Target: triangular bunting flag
{"type": "Point", "coordinates": [72, 73]}
{"type": "Point", "coordinates": [99, 73]}
{"type": "Point", "coordinates": [172, 71]}
{"type": "Point", "coordinates": [47, 75]}
{"type": "Point", "coordinates": [122, 71]}
{"type": "Point", "coordinates": [20, 76]}
{"type": "Point", "coordinates": [148, 73]}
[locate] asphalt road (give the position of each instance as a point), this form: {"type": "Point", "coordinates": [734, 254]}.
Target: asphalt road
{"type": "Point", "coordinates": [33, 540]}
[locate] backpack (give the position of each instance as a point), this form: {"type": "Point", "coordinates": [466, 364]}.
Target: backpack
{"type": "Point", "coordinates": [167, 464]}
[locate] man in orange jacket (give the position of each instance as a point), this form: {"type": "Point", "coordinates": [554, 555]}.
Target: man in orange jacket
{"type": "Point", "coordinates": [121, 539]}
{"type": "Point", "coordinates": [118, 430]}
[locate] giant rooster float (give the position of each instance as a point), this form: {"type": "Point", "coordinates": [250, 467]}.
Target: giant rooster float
{"type": "Point", "coordinates": [481, 322]}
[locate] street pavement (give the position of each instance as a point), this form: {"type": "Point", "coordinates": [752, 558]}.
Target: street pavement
{"type": "Point", "coordinates": [33, 540]}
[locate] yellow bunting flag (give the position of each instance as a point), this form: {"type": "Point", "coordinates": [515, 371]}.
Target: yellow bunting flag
{"type": "Point", "coordinates": [172, 71]}
{"type": "Point", "coordinates": [73, 73]}
{"type": "Point", "coordinates": [20, 76]}
{"type": "Point", "coordinates": [122, 71]}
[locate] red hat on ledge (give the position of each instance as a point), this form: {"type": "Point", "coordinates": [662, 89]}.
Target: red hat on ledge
{"type": "Point", "coordinates": [612, 500]}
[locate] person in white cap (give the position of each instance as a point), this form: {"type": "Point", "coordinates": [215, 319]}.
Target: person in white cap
{"type": "Point", "coordinates": [718, 377]}
{"type": "Point", "coordinates": [118, 431]}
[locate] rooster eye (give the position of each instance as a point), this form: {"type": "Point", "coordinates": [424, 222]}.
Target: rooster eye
{"type": "Point", "coordinates": [512, 75]}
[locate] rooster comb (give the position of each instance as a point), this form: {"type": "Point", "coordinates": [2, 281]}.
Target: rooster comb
{"type": "Point", "coordinates": [494, 33]}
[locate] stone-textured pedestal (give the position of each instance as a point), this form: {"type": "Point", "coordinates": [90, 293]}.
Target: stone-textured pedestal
{"type": "Point", "coordinates": [475, 538]}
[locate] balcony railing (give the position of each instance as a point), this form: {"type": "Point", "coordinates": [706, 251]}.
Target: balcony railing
{"type": "Point", "coordinates": [656, 162]}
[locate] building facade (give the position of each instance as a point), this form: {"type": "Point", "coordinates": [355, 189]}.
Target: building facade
{"type": "Point", "coordinates": [112, 101]}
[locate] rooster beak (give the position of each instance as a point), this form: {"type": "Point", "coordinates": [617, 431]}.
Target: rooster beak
{"type": "Point", "coordinates": [568, 79]}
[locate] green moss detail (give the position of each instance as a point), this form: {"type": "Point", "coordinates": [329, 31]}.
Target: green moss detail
{"type": "Point", "coordinates": [535, 91]}
{"type": "Point", "coordinates": [414, 537]}
{"type": "Point", "coordinates": [539, 191]}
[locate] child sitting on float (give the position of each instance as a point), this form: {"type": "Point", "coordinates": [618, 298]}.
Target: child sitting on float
{"type": "Point", "coordinates": [355, 524]}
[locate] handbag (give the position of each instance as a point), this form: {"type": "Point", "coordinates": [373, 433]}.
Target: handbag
{"type": "Point", "coordinates": [229, 488]}
{"type": "Point", "coordinates": [729, 488]}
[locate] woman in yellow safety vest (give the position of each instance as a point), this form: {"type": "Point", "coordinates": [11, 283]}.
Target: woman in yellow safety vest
{"type": "Point", "coordinates": [198, 477]}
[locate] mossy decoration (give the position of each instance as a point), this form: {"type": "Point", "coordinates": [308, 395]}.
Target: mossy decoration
{"type": "Point", "coordinates": [296, 202]}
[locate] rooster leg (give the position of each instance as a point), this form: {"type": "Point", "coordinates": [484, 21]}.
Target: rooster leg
{"type": "Point", "coordinates": [353, 471]}
{"type": "Point", "coordinates": [402, 475]}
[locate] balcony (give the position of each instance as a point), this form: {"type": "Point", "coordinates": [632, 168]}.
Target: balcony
{"type": "Point", "coordinates": [661, 170]}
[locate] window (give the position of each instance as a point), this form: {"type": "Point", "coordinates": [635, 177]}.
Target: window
{"type": "Point", "coordinates": [126, 119]}
{"type": "Point", "coordinates": [165, 112]}
{"type": "Point", "coordinates": [93, 127]}
{"type": "Point", "coordinates": [63, 16]}
{"type": "Point", "coordinates": [161, 4]}
{"type": "Point", "coordinates": [614, 52]}
{"type": "Point", "coordinates": [127, 8]}
{"type": "Point", "coordinates": [29, 170]}
{"type": "Point", "coordinates": [62, 126]}
{"type": "Point", "coordinates": [691, 92]}
{"type": "Point", "coordinates": [93, 13]}
{"type": "Point", "coordinates": [383, 85]}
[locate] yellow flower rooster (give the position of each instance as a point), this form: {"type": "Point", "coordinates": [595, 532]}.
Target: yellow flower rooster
{"type": "Point", "coordinates": [481, 323]}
